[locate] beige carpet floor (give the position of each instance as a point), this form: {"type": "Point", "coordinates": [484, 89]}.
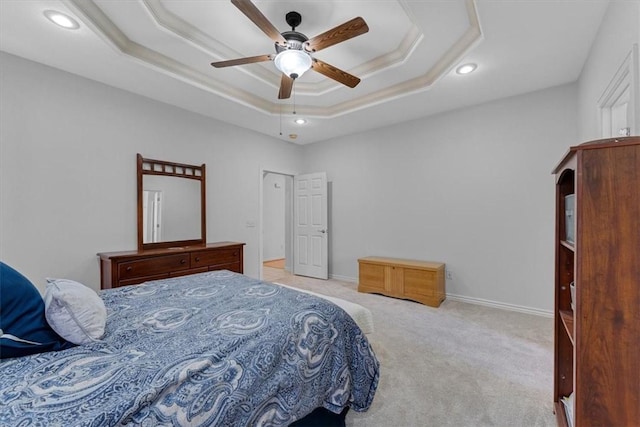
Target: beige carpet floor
{"type": "Point", "coordinates": [456, 365]}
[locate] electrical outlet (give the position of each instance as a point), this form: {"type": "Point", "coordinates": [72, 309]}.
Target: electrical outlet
{"type": "Point", "coordinates": [449, 275]}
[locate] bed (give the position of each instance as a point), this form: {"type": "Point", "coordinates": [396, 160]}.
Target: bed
{"type": "Point", "coordinates": [361, 315]}
{"type": "Point", "coordinates": [210, 349]}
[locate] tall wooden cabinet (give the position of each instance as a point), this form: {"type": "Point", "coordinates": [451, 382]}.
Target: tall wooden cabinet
{"type": "Point", "coordinates": [597, 342]}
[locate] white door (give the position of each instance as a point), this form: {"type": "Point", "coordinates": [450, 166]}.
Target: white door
{"type": "Point", "coordinates": [310, 243]}
{"type": "Point", "coordinates": [620, 122]}
{"type": "Point", "coordinates": [616, 116]}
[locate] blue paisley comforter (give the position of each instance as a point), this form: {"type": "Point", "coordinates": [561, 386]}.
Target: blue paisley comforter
{"type": "Point", "coordinates": [212, 349]}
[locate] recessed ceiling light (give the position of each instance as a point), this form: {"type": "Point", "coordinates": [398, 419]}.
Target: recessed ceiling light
{"type": "Point", "coordinates": [300, 121]}
{"type": "Point", "coordinates": [65, 21]}
{"type": "Point", "coordinates": [466, 68]}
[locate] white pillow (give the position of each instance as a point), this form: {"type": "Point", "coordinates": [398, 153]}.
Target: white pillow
{"type": "Point", "coordinates": [74, 311]}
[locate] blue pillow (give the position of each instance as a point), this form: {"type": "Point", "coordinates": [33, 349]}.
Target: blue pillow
{"type": "Point", "coordinates": [24, 327]}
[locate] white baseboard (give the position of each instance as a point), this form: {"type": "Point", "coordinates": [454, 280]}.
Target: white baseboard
{"type": "Point", "coordinates": [501, 305]}
{"type": "Point", "coordinates": [471, 300]}
{"type": "Point", "coordinates": [343, 278]}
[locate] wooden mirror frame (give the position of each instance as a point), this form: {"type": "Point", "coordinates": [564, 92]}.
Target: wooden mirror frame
{"type": "Point", "coordinates": [179, 170]}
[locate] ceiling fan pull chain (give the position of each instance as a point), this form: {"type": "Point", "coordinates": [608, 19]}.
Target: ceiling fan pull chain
{"type": "Point", "coordinates": [294, 96]}
{"type": "Point", "coordinates": [280, 119]}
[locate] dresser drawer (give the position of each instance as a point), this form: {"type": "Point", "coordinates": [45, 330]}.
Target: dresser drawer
{"type": "Point", "coordinates": [137, 280]}
{"type": "Point", "coordinates": [231, 267]}
{"type": "Point", "coordinates": [188, 272]}
{"type": "Point", "coordinates": [153, 266]}
{"type": "Point", "coordinates": [215, 257]}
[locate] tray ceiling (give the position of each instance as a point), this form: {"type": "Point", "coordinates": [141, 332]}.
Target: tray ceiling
{"type": "Point", "coordinates": [163, 50]}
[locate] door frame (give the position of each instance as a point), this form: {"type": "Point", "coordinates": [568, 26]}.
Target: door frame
{"type": "Point", "coordinates": [627, 75]}
{"type": "Point", "coordinates": [289, 243]}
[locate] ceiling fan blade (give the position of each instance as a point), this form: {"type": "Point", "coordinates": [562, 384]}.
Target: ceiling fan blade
{"type": "Point", "coordinates": [286, 84]}
{"type": "Point", "coordinates": [241, 61]}
{"type": "Point", "coordinates": [335, 73]}
{"type": "Point", "coordinates": [346, 31]}
{"type": "Point", "coordinates": [254, 14]}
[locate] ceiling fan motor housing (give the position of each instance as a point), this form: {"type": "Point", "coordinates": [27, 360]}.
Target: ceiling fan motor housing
{"type": "Point", "coordinates": [295, 40]}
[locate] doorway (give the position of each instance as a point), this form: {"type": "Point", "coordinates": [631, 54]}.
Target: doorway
{"type": "Point", "coordinates": [276, 225]}
{"type": "Point", "coordinates": [619, 104]}
{"type": "Point", "coordinates": [303, 245]}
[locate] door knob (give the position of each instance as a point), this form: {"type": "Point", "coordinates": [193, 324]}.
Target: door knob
{"type": "Point", "coordinates": [323, 230]}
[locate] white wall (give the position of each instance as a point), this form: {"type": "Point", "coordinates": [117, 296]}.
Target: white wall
{"type": "Point", "coordinates": [618, 32]}
{"type": "Point", "coordinates": [68, 170]}
{"type": "Point", "coordinates": [273, 224]}
{"type": "Point", "coordinates": [471, 188]}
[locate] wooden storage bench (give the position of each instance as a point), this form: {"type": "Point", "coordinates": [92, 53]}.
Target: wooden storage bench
{"type": "Point", "coordinates": [420, 281]}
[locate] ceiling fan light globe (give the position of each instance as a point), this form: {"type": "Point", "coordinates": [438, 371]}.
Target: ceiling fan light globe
{"type": "Point", "coordinates": [293, 63]}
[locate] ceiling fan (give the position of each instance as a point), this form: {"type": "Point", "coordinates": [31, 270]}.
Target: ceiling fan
{"type": "Point", "coordinates": [294, 49]}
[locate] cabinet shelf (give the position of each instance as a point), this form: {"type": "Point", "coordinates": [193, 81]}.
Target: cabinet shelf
{"type": "Point", "coordinates": [568, 245]}
{"type": "Point", "coordinates": [567, 320]}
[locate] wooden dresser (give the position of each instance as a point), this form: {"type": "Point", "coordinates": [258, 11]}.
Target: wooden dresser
{"type": "Point", "coordinates": [132, 267]}
{"type": "Point", "coordinates": [420, 281]}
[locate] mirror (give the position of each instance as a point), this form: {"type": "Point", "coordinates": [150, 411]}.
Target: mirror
{"type": "Point", "coordinates": [171, 204]}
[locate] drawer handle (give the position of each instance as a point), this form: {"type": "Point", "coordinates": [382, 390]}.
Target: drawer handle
{"type": "Point", "coordinates": [182, 261]}
{"type": "Point", "coordinates": [129, 268]}
{"type": "Point", "coordinates": [235, 254]}
{"type": "Point", "coordinates": [197, 259]}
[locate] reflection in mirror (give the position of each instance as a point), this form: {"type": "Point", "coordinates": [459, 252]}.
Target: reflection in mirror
{"type": "Point", "coordinates": [173, 213]}
{"type": "Point", "coordinates": [152, 216]}
{"type": "Point", "coordinates": [171, 204]}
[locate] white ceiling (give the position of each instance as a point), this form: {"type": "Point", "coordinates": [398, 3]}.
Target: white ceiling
{"type": "Point", "coordinates": [162, 49]}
